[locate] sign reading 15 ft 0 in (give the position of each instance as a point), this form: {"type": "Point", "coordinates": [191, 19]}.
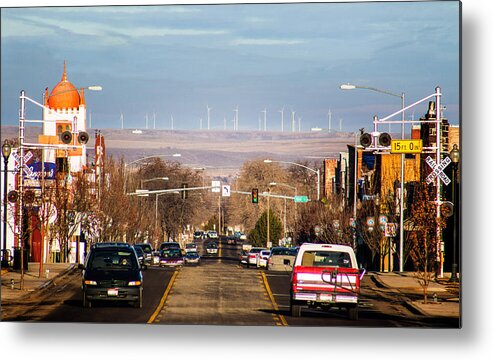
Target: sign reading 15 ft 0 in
{"type": "Point", "coordinates": [406, 146]}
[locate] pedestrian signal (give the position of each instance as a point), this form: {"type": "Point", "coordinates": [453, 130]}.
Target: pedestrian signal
{"type": "Point", "coordinates": [254, 196]}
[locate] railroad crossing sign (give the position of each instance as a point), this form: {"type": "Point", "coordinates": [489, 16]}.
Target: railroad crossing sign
{"type": "Point", "coordinates": [27, 170]}
{"type": "Point", "coordinates": [438, 170]}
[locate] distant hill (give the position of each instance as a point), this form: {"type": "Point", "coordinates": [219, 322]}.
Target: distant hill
{"type": "Point", "coordinates": [221, 152]}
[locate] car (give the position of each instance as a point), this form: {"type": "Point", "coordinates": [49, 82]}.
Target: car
{"type": "Point", "coordinates": [262, 258]}
{"type": "Point", "coordinates": [199, 234]}
{"type": "Point", "coordinates": [190, 247]}
{"type": "Point", "coordinates": [281, 258]}
{"type": "Point", "coordinates": [192, 257]}
{"type": "Point", "coordinates": [147, 248]}
{"type": "Point", "coordinates": [231, 240]}
{"type": "Point", "coordinates": [140, 254]}
{"type": "Point", "coordinates": [155, 257]}
{"type": "Point", "coordinates": [171, 257]}
{"type": "Point", "coordinates": [211, 248]}
{"type": "Point", "coordinates": [211, 234]}
{"type": "Point", "coordinates": [253, 254]}
{"type": "Point", "coordinates": [243, 257]}
{"type": "Point", "coordinates": [112, 272]}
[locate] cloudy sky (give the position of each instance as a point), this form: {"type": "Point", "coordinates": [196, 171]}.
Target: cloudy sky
{"type": "Point", "coordinates": [173, 61]}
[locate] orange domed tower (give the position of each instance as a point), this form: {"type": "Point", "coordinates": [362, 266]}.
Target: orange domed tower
{"type": "Point", "coordinates": [64, 110]}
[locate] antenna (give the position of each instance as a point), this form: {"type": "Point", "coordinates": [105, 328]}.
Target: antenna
{"type": "Point", "coordinates": [282, 118]}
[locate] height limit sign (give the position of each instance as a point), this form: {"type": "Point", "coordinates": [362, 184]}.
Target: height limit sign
{"type": "Point", "coordinates": [438, 170]}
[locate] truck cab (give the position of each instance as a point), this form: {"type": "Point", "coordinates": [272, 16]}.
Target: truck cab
{"type": "Point", "coordinates": [325, 276]}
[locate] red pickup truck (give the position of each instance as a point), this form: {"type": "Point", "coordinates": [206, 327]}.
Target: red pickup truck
{"type": "Point", "coordinates": [325, 276]}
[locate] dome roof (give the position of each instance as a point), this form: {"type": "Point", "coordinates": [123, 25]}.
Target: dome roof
{"type": "Point", "coordinates": [64, 95]}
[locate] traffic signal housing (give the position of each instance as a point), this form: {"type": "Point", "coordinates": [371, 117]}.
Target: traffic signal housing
{"type": "Point", "coordinates": [12, 196]}
{"type": "Point", "coordinates": [254, 196]}
{"type": "Point", "coordinates": [66, 137]}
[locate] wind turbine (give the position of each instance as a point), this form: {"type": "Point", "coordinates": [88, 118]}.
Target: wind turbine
{"type": "Point", "coordinates": [299, 123]}
{"type": "Point", "coordinates": [154, 116]}
{"type": "Point", "coordinates": [172, 122]}
{"type": "Point", "coordinates": [236, 118]}
{"type": "Point", "coordinates": [265, 119]}
{"type": "Point", "coordinates": [329, 115]}
{"type": "Point", "coordinates": [200, 123]}
{"type": "Point", "coordinates": [208, 117]}
{"type": "Point", "coordinates": [340, 124]}
{"type": "Point", "coordinates": [147, 122]}
{"type": "Point", "coordinates": [282, 118]}
{"type": "Point", "coordinates": [259, 123]}
{"type": "Point", "coordinates": [121, 118]}
{"type": "Point", "coordinates": [292, 120]}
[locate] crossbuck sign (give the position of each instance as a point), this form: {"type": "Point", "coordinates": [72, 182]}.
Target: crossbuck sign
{"type": "Point", "coordinates": [438, 170]}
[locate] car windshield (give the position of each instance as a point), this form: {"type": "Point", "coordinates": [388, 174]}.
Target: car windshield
{"type": "Point", "coordinates": [192, 254]}
{"type": "Point", "coordinates": [282, 251]}
{"type": "Point", "coordinates": [170, 253]}
{"type": "Point", "coordinates": [145, 247]}
{"type": "Point", "coordinates": [212, 246]}
{"type": "Point", "coordinates": [326, 258]}
{"type": "Point", "coordinates": [111, 259]}
{"type": "Point", "coordinates": [191, 246]}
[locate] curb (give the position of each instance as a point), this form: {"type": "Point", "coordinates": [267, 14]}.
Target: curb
{"type": "Point", "coordinates": [62, 273]}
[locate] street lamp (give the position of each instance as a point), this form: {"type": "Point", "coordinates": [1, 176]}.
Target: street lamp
{"type": "Point", "coordinates": [6, 150]}
{"type": "Point", "coordinates": [317, 171]}
{"type": "Point", "coordinates": [138, 160]}
{"type": "Point", "coordinates": [401, 202]}
{"type": "Point", "coordinates": [455, 157]}
{"type": "Point", "coordinates": [285, 211]}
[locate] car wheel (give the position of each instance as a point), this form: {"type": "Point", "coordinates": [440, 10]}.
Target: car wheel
{"type": "Point", "coordinates": [353, 313]}
{"type": "Point", "coordinates": [85, 302]}
{"type": "Point", "coordinates": [295, 310]}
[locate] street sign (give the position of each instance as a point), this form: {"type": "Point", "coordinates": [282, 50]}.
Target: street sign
{"type": "Point", "coordinates": [406, 146]}
{"type": "Point", "coordinates": [438, 170]}
{"type": "Point", "coordinates": [226, 190]}
{"type": "Point", "coordinates": [216, 186]}
{"type": "Point", "coordinates": [301, 199]}
{"type": "Point", "coordinates": [390, 229]}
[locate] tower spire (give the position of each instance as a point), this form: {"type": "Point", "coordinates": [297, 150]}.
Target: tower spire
{"type": "Point", "coordinates": [64, 76]}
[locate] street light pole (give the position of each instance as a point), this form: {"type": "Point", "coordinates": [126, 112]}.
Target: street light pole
{"type": "Point", "coordinates": [401, 200]}
{"type": "Point", "coordinates": [317, 171]}
{"type": "Point", "coordinates": [455, 157]}
{"type": "Point", "coordinates": [6, 150]}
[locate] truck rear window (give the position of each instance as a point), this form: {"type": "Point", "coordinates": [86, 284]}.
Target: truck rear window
{"type": "Point", "coordinates": [326, 258]}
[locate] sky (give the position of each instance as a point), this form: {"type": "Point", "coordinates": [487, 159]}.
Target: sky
{"type": "Point", "coordinates": [164, 65]}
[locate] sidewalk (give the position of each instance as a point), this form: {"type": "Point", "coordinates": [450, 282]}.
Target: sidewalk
{"type": "Point", "coordinates": [446, 303]}
{"type": "Point", "coordinates": [32, 279]}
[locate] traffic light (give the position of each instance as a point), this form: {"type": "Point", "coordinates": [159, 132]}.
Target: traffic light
{"type": "Point", "coordinates": [365, 140]}
{"type": "Point", "coordinates": [66, 137]}
{"type": "Point", "coordinates": [254, 196]}
{"type": "Point", "coordinates": [384, 139]}
{"type": "Point", "coordinates": [83, 137]}
{"type": "Point", "coordinates": [184, 193]}
{"type": "Point", "coordinates": [12, 196]}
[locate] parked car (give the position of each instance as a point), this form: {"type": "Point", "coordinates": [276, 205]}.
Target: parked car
{"type": "Point", "coordinates": [140, 254]}
{"type": "Point", "coordinates": [171, 257]}
{"type": "Point", "coordinates": [147, 248]}
{"type": "Point", "coordinates": [112, 272]}
{"type": "Point", "coordinates": [262, 258]}
{"type": "Point", "coordinates": [253, 255]}
{"type": "Point", "coordinates": [192, 257]}
{"type": "Point", "coordinates": [211, 248]}
{"type": "Point", "coordinates": [243, 257]}
{"type": "Point", "coordinates": [281, 259]}
{"type": "Point", "coordinates": [190, 247]}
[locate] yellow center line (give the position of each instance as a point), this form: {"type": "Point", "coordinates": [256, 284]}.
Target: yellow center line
{"type": "Point", "coordinates": [271, 296]}
{"type": "Point", "coordinates": [163, 299]}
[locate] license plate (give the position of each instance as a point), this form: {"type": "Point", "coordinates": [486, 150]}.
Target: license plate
{"type": "Point", "coordinates": [112, 292]}
{"type": "Point", "coordinates": [327, 297]}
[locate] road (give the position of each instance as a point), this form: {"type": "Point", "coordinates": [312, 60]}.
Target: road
{"type": "Point", "coordinates": [219, 291]}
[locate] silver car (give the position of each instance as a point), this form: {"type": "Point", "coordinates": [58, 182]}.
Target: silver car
{"type": "Point", "coordinates": [281, 259]}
